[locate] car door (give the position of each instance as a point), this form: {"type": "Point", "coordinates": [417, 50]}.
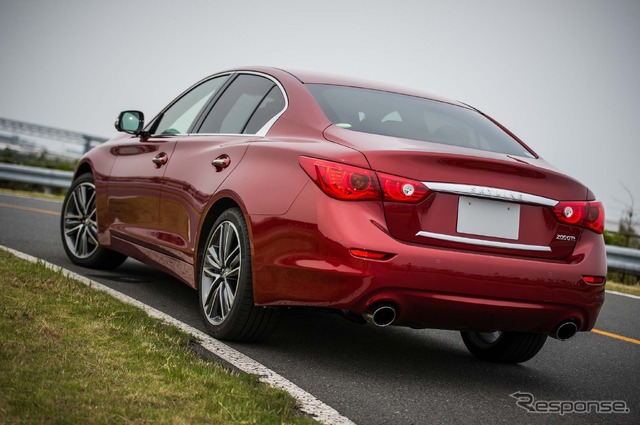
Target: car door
{"type": "Point", "coordinates": [136, 178]}
{"type": "Point", "coordinates": [203, 160]}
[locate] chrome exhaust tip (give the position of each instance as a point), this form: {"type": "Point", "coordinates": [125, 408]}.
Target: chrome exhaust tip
{"type": "Point", "coordinates": [564, 331]}
{"type": "Point", "coordinates": [381, 315]}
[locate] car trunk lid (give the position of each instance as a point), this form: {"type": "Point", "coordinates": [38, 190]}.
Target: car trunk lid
{"type": "Point", "coordinates": [482, 201]}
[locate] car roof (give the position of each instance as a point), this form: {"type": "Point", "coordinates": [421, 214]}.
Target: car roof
{"type": "Point", "coordinates": [311, 77]}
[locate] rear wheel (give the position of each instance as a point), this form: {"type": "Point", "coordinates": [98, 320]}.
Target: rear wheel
{"type": "Point", "coordinates": [225, 283]}
{"type": "Point", "coordinates": [503, 347]}
{"type": "Point", "coordinates": [79, 228]}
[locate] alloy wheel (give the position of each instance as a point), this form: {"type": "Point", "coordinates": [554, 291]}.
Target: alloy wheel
{"type": "Point", "coordinates": [221, 272]}
{"type": "Point", "coordinates": [79, 221]}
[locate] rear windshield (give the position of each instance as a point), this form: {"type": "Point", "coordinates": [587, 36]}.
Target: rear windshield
{"type": "Point", "coordinates": [409, 117]}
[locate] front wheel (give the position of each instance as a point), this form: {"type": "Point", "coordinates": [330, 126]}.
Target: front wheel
{"type": "Point", "coordinates": [225, 283]}
{"type": "Point", "coordinates": [79, 227]}
{"type": "Point", "coordinates": [503, 347]}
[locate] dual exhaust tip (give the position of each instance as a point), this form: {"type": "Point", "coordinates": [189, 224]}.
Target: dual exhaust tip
{"type": "Point", "coordinates": [384, 314]}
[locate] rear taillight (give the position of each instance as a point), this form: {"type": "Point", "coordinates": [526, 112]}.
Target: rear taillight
{"type": "Point", "coordinates": [351, 183]}
{"type": "Point", "coordinates": [342, 181]}
{"type": "Point", "coordinates": [589, 215]}
{"type": "Point", "coordinates": [398, 189]}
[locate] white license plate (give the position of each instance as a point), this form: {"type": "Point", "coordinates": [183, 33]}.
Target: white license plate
{"type": "Point", "coordinates": [484, 217]}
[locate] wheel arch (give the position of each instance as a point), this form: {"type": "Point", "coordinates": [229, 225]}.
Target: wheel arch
{"type": "Point", "coordinates": [86, 166]}
{"type": "Point", "coordinates": [77, 222]}
{"type": "Point", "coordinates": [83, 168]}
{"type": "Point", "coordinates": [218, 206]}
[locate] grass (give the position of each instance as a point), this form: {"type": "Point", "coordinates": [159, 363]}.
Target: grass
{"type": "Point", "coordinates": [70, 354]}
{"type": "Point", "coordinates": [625, 279]}
{"type": "Point", "coordinates": [624, 288]}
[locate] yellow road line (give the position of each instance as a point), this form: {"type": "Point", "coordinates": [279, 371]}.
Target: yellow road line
{"type": "Point", "coordinates": [19, 207]}
{"type": "Point", "coordinates": [616, 336]}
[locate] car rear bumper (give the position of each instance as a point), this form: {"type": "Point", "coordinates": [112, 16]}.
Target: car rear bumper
{"type": "Point", "coordinates": [464, 290]}
{"type": "Point", "coordinates": [303, 258]}
{"type": "Point", "coordinates": [424, 309]}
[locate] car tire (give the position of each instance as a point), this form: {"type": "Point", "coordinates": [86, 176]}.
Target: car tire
{"type": "Point", "coordinates": [225, 283]}
{"type": "Point", "coordinates": [79, 228]}
{"type": "Point", "coordinates": [503, 347]}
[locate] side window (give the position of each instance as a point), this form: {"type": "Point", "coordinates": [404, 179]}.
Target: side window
{"type": "Point", "coordinates": [179, 117]}
{"type": "Point", "coordinates": [237, 104]}
{"type": "Point", "coordinates": [270, 106]}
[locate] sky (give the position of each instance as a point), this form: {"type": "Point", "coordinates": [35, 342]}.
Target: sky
{"type": "Point", "coordinates": [562, 75]}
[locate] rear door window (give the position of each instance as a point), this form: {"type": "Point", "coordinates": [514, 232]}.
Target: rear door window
{"type": "Point", "coordinates": [270, 106]}
{"type": "Point", "coordinates": [241, 101]}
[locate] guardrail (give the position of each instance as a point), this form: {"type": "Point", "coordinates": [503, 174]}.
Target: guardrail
{"type": "Point", "coordinates": [36, 175]}
{"type": "Point", "coordinates": [50, 133]}
{"type": "Point", "coordinates": [625, 260]}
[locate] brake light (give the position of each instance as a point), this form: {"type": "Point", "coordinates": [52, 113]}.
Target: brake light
{"type": "Point", "coordinates": [342, 181]}
{"type": "Point", "coordinates": [351, 183]}
{"type": "Point", "coordinates": [589, 215]}
{"type": "Point", "coordinates": [398, 189]}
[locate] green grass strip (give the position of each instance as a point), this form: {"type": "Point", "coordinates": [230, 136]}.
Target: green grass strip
{"type": "Point", "coordinates": [624, 288]}
{"type": "Point", "coordinates": [71, 354]}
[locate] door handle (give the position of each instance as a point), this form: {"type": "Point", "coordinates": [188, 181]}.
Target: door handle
{"type": "Point", "coordinates": [221, 162]}
{"type": "Point", "coordinates": [160, 159]}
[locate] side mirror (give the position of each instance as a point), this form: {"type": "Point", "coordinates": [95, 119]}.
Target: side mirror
{"type": "Point", "coordinates": [131, 122]}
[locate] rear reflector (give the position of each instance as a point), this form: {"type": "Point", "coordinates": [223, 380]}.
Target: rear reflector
{"type": "Point", "coordinates": [589, 215]}
{"type": "Point", "coordinates": [370, 255]}
{"type": "Point", "coordinates": [594, 280]}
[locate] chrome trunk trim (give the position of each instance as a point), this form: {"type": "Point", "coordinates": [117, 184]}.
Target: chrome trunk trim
{"type": "Point", "coordinates": [490, 192]}
{"type": "Point", "coordinates": [482, 242]}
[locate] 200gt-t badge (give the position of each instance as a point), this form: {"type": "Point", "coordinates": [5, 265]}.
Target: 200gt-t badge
{"type": "Point", "coordinates": [568, 238]}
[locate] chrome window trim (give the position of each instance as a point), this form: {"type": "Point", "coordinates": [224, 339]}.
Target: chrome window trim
{"type": "Point", "coordinates": [490, 192]}
{"type": "Point", "coordinates": [265, 128]}
{"type": "Point", "coordinates": [482, 242]}
{"type": "Point", "coordinates": [218, 134]}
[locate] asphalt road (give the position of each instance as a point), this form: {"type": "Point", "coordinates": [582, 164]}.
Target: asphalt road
{"type": "Point", "coordinates": [387, 375]}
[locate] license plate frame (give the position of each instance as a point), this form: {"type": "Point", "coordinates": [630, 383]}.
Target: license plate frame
{"type": "Point", "coordinates": [486, 217]}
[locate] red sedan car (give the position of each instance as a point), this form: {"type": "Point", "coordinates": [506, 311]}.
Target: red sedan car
{"type": "Point", "coordinates": [265, 189]}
